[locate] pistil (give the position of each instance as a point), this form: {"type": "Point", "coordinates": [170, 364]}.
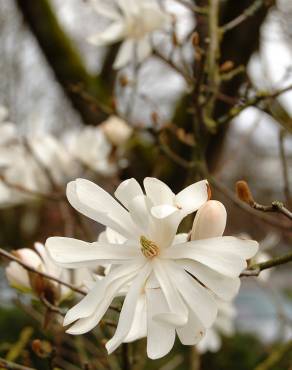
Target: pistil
{"type": "Point", "coordinates": [148, 248]}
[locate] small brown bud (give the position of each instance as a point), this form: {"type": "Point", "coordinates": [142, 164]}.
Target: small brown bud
{"type": "Point", "coordinates": [123, 80]}
{"type": "Point", "coordinates": [155, 118]}
{"type": "Point", "coordinates": [195, 39]}
{"type": "Point", "coordinates": [226, 66]}
{"type": "Point", "coordinates": [243, 192]}
{"type": "Point", "coordinates": [41, 348]}
{"type": "Point", "coordinates": [175, 41]}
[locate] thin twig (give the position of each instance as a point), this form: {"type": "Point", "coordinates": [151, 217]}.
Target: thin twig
{"type": "Point", "coordinates": [261, 216]}
{"type": "Point", "coordinates": [255, 270]}
{"type": "Point", "coordinates": [282, 134]}
{"type": "Point", "coordinates": [260, 96]}
{"type": "Point", "coordinates": [248, 12]}
{"type": "Point", "coordinates": [275, 356]}
{"type": "Point", "coordinates": [193, 7]}
{"type": "Point", "coordinates": [11, 257]}
{"type": "Point", "coordinates": [4, 364]}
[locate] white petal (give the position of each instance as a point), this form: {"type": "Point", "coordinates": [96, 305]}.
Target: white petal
{"type": "Point", "coordinates": [211, 342]}
{"type": "Point", "coordinates": [87, 306]}
{"type": "Point", "coordinates": [223, 286]}
{"type": "Point", "coordinates": [125, 54]}
{"type": "Point", "coordinates": [198, 298]}
{"type": "Point", "coordinates": [144, 49]}
{"type": "Point", "coordinates": [105, 9]}
{"type": "Point", "coordinates": [160, 335]}
{"type": "Point", "coordinates": [163, 210]}
{"type": "Point", "coordinates": [226, 255]}
{"type": "Point", "coordinates": [115, 32]}
{"type": "Point", "coordinates": [210, 221]}
{"type": "Point", "coordinates": [193, 197]}
{"type": "Point", "coordinates": [128, 309]}
{"type": "Point", "coordinates": [192, 332]}
{"type": "Point", "coordinates": [139, 325]}
{"type": "Point", "coordinates": [73, 253]}
{"type": "Point", "coordinates": [178, 312]}
{"type": "Point", "coordinates": [158, 192]}
{"type": "Point", "coordinates": [92, 201]}
{"type": "Point", "coordinates": [127, 191]}
{"type": "Point", "coordinates": [139, 212]}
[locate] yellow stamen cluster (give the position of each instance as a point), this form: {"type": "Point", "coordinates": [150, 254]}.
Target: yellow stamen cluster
{"type": "Point", "coordinates": [148, 248]}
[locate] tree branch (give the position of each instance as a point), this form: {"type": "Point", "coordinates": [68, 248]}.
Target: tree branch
{"type": "Point", "coordinates": [64, 59]}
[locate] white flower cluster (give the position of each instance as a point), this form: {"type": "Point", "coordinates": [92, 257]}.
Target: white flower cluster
{"type": "Point", "coordinates": [171, 282]}
{"type": "Point", "coordinates": [38, 162]}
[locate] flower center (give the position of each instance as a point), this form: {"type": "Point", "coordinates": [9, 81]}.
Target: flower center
{"type": "Point", "coordinates": [148, 248]}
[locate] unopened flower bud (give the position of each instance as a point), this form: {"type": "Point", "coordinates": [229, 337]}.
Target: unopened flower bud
{"type": "Point", "coordinates": [210, 221]}
{"type": "Point", "coordinates": [226, 66]}
{"type": "Point", "coordinates": [117, 130]}
{"type": "Point", "coordinates": [195, 39]}
{"type": "Point", "coordinates": [243, 192]}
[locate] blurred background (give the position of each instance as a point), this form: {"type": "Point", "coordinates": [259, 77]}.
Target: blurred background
{"type": "Point", "coordinates": [53, 82]}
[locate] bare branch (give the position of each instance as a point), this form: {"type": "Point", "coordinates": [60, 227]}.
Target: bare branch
{"type": "Point", "coordinates": [4, 364]}
{"type": "Point", "coordinates": [255, 270]}
{"type": "Point", "coordinates": [248, 12]}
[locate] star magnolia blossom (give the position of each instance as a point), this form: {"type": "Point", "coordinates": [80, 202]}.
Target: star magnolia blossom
{"type": "Point", "coordinates": [149, 266]}
{"type": "Point", "coordinates": [224, 325]}
{"type": "Point", "coordinates": [91, 147]}
{"type": "Point", "coordinates": [132, 21]}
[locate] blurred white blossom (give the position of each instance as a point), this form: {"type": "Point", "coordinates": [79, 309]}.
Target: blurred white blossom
{"type": "Point", "coordinates": [91, 147]}
{"type": "Point", "coordinates": [132, 22]}
{"type": "Point", "coordinates": [117, 130]}
{"type": "Point", "coordinates": [176, 281]}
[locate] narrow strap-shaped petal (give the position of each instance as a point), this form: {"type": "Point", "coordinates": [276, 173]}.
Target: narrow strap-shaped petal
{"type": "Point", "coordinates": [125, 54]}
{"type": "Point", "coordinates": [191, 333]}
{"type": "Point", "coordinates": [128, 309]}
{"type": "Point", "coordinates": [223, 286]}
{"type": "Point", "coordinates": [226, 255]}
{"type": "Point", "coordinates": [106, 10]}
{"type": "Point", "coordinates": [144, 48]}
{"type": "Point", "coordinates": [85, 324]}
{"type": "Point", "coordinates": [87, 306]}
{"type": "Point", "coordinates": [198, 298]}
{"type": "Point", "coordinates": [160, 335]}
{"type": "Point", "coordinates": [127, 191]}
{"type": "Point", "coordinates": [114, 32]}
{"type": "Point", "coordinates": [158, 192]}
{"type": "Point", "coordinates": [72, 253]}
{"type": "Point", "coordinates": [95, 203]}
{"type": "Point", "coordinates": [193, 197]}
{"type": "Point", "coordinates": [178, 312]}
{"type": "Point", "coordinates": [139, 325]}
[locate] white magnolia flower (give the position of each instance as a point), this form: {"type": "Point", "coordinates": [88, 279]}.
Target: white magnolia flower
{"type": "Point", "coordinates": [152, 270]}
{"type": "Point", "coordinates": [91, 147]}
{"type": "Point", "coordinates": [224, 325]}
{"type": "Point", "coordinates": [30, 165]}
{"type": "Point", "coordinates": [133, 22]}
{"type": "Point", "coordinates": [116, 130]}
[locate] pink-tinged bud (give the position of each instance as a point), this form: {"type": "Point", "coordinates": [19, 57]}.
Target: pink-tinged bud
{"type": "Point", "coordinates": [116, 130]}
{"type": "Point", "coordinates": [210, 221]}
